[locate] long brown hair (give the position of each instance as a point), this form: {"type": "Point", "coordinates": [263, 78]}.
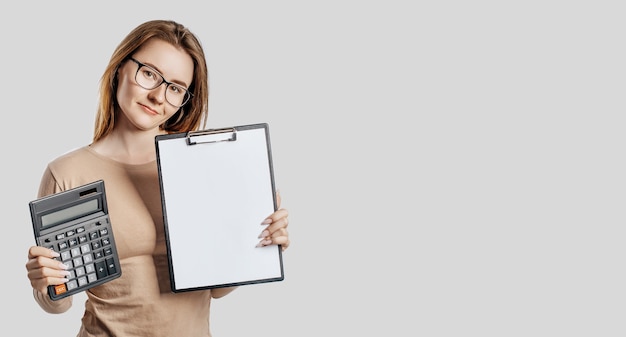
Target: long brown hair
{"type": "Point", "coordinates": [194, 112]}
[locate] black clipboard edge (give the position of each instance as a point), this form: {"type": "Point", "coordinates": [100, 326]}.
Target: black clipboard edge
{"type": "Point", "coordinates": [235, 284]}
{"type": "Point", "coordinates": [188, 135]}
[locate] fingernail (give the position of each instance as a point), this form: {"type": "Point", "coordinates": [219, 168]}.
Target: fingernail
{"type": "Point", "coordinates": [264, 243]}
{"type": "Point", "coordinates": [266, 221]}
{"type": "Point", "coordinates": [264, 234]}
{"type": "Point", "coordinates": [54, 254]}
{"type": "Point", "coordinates": [63, 266]}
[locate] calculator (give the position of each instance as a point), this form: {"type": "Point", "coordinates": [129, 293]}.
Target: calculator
{"type": "Point", "coordinates": [75, 223]}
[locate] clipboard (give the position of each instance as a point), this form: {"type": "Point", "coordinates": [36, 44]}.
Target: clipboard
{"type": "Point", "coordinates": [217, 186]}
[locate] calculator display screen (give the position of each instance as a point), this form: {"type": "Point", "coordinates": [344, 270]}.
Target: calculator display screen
{"type": "Point", "coordinates": [70, 213]}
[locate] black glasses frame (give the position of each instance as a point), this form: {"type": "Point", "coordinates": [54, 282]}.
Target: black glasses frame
{"type": "Point", "coordinates": [163, 80]}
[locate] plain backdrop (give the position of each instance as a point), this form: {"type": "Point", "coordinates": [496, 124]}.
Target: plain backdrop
{"type": "Point", "coordinates": [451, 168]}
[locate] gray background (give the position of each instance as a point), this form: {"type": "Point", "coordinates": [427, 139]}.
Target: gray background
{"type": "Point", "coordinates": [451, 168]}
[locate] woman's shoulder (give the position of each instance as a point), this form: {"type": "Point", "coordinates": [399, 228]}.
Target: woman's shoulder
{"type": "Point", "coordinates": [66, 171]}
{"type": "Point", "coordinates": [85, 161]}
{"type": "Point", "coordinates": [71, 157]}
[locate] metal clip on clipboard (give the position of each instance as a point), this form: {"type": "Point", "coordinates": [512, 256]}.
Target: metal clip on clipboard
{"type": "Point", "coordinates": [208, 136]}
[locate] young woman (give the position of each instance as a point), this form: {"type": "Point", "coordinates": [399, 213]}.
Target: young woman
{"type": "Point", "coordinates": [156, 83]}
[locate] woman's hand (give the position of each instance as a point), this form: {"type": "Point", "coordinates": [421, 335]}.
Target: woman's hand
{"type": "Point", "coordinates": [44, 270]}
{"type": "Point", "coordinates": [276, 232]}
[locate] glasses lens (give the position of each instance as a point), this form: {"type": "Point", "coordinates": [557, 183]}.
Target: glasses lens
{"type": "Point", "coordinates": [176, 95]}
{"type": "Point", "coordinates": [148, 78]}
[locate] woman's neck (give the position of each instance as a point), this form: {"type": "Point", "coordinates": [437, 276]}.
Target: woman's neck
{"type": "Point", "coordinates": [128, 147]}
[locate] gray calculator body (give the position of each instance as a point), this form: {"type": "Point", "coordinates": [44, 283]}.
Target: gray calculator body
{"type": "Point", "coordinates": [75, 223]}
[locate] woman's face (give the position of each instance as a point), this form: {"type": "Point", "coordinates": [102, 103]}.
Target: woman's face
{"type": "Point", "coordinates": [146, 109]}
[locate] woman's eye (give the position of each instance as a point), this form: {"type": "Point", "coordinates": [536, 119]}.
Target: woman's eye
{"type": "Point", "coordinates": [148, 74]}
{"type": "Point", "coordinates": [176, 89]}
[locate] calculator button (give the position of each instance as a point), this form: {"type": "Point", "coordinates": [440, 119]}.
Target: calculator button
{"type": "Point", "coordinates": [75, 251]}
{"type": "Point", "coordinates": [66, 255]}
{"type": "Point", "coordinates": [101, 269]}
{"type": "Point", "coordinates": [82, 281]}
{"type": "Point", "coordinates": [63, 245]}
{"type": "Point", "coordinates": [85, 249]}
{"type": "Point", "coordinates": [111, 266]}
{"type": "Point", "coordinates": [71, 285]}
{"type": "Point", "coordinates": [60, 289]}
{"type": "Point", "coordinates": [73, 242]}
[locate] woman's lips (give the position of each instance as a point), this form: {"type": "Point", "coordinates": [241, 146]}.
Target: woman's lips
{"type": "Point", "coordinates": [149, 109]}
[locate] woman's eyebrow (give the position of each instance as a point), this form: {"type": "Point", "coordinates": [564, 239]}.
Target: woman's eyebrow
{"type": "Point", "coordinates": [167, 79]}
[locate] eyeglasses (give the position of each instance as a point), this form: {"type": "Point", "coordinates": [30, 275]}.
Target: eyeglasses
{"type": "Point", "coordinates": [148, 78]}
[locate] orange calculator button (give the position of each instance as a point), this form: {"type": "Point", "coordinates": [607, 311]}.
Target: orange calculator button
{"type": "Point", "coordinates": [60, 289]}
